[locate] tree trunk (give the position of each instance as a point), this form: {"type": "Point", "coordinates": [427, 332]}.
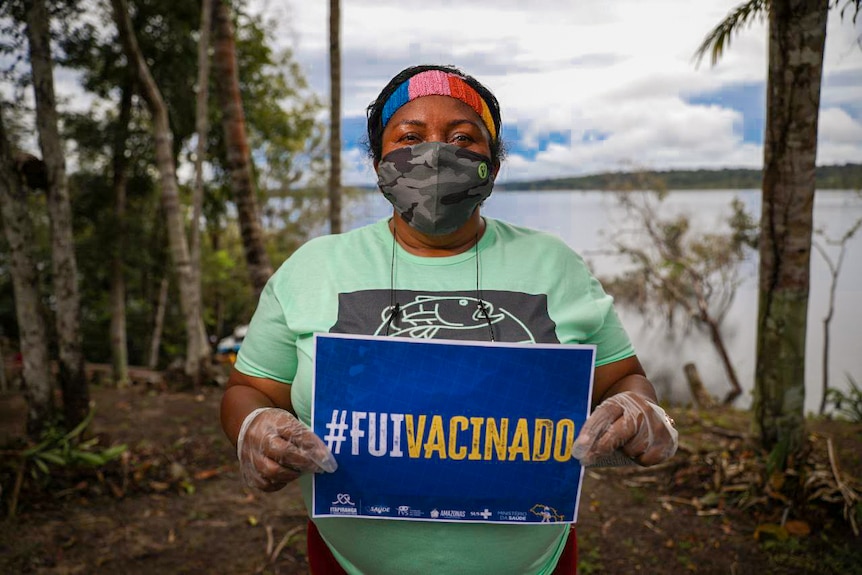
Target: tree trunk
{"type": "Point", "coordinates": [695, 384]}
{"type": "Point", "coordinates": [238, 155]}
{"type": "Point", "coordinates": [18, 229]}
{"type": "Point", "coordinates": [197, 350]}
{"type": "Point", "coordinates": [797, 34]}
{"type": "Point", "coordinates": [64, 267]}
{"type": "Point", "coordinates": [158, 324]}
{"type": "Point", "coordinates": [119, 345]}
{"type": "Point", "coordinates": [718, 342]}
{"type": "Point", "coordinates": [334, 116]}
{"type": "Point", "coordinates": [202, 128]}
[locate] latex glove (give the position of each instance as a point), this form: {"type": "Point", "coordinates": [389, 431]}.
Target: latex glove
{"type": "Point", "coordinates": [274, 448]}
{"type": "Point", "coordinates": [631, 423]}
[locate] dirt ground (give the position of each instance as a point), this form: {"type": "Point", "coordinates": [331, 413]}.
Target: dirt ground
{"type": "Point", "coordinates": [176, 505]}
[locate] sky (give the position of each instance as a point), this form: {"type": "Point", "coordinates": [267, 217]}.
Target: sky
{"type": "Point", "coordinates": [584, 87]}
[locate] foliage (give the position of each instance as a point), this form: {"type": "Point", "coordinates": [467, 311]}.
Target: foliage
{"type": "Point", "coordinates": [675, 267]}
{"type": "Point", "coordinates": [61, 448]}
{"type": "Point", "coordinates": [849, 404]}
{"type": "Point", "coordinates": [287, 146]}
{"type": "Point", "coordinates": [719, 38]}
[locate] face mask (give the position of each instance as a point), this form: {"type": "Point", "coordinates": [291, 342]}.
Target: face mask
{"type": "Point", "coordinates": [434, 186]}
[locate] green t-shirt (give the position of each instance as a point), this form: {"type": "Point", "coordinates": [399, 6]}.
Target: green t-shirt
{"type": "Point", "coordinates": [535, 289]}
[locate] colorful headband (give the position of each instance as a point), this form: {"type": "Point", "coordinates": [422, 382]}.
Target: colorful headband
{"type": "Point", "coordinates": [438, 83]}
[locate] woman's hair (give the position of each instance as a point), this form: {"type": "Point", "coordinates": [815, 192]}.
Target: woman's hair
{"type": "Point", "coordinates": [375, 109]}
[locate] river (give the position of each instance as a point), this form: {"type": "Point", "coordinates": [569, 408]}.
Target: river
{"type": "Point", "coordinates": [586, 221]}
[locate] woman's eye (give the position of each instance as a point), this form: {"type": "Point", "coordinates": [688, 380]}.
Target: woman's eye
{"type": "Point", "coordinates": [462, 138]}
{"type": "Point", "coordinates": [409, 138]}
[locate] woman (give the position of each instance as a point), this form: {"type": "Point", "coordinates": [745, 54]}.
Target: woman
{"type": "Point", "coordinates": [434, 138]}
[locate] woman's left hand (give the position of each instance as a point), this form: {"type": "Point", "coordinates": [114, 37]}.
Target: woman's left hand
{"type": "Point", "coordinates": [631, 423]}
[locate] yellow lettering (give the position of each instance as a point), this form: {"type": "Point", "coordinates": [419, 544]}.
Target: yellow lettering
{"type": "Point", "coordinates": [414, 436]}
{"type": "Point", "coordinates": [520, 442]}
{"type": "Point", "coordinates": [476, 423]}
{"type": "Point", "coordinates": [563, 440]}
{"type": "Point", "coordinates": [455, 424]}
{"type": "Point", "coordinates": [542, 438]}
{"type": "Point", "coordinates": [495, 439]}
{"type": "Point", "coordinates": [436, 438]}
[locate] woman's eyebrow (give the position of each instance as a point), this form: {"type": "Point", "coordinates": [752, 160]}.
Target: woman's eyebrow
{"type": "Point", "coordinates": [450, 124]}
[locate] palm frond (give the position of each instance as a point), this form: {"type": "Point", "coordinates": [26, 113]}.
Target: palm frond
{"type": "Point", "coordinates": [855, 4]}
{"type": "Point", "coordinates": [719, 39]}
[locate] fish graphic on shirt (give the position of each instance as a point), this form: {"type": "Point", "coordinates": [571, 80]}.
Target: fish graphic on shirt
{"type": "Point", "coordinates": [426, 316]}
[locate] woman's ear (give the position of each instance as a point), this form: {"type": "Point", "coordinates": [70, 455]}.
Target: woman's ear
{"type": "Point", "coordinates": [495, 171]}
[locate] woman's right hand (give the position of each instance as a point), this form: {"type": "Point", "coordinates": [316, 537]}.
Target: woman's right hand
{"type": "Point", "coordinates": [274, 448]}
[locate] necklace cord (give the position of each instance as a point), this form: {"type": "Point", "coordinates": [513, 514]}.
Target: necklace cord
{"type": "Point", "coordinates": [481, 303]}
{"type": "Point", "coordinates": [395, 307]}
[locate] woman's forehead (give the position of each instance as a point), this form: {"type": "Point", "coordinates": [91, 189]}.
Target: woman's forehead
{"type": "Point", "coordinates": [434, 109]}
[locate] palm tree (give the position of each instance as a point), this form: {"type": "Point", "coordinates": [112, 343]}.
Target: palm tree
{"type": "Point", "coordinates": [797, 37]}
{"type": "Point", "coordinates": [64, 267]}
{"type": "Point", "coordinates": [238, 153]}
{"type": "Point", "coordinates": [334, 117]}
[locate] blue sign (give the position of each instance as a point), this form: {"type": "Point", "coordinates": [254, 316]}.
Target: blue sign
{"type": "Point", "coordinates": [437, 430]}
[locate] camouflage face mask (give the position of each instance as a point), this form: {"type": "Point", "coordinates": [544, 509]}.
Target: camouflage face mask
{"type": "Point", "coordinates": [434, 186]}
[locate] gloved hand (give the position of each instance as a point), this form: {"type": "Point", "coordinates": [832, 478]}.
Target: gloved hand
{"type": "Point", "coordinates": [274, 448]}
{"type": "Point", "coordinates": [631, 423]}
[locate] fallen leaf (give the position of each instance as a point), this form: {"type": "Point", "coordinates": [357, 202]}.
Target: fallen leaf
{"type": "Point", "coordinates": [252, 520]}
{"type": "Point", "coordinates": [207, 473]}
{"type": "Point", "coordinates": [797, 528]}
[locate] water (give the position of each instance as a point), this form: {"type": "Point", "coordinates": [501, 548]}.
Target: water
{"type": "Point", "coordinates": [587, 220]}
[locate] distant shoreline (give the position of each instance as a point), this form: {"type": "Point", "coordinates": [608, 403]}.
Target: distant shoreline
{"type": "Point", "coordinates": [843, 177]}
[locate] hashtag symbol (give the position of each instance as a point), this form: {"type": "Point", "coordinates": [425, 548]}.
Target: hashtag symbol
{"type": "Point", "coordinates": [337, 431]}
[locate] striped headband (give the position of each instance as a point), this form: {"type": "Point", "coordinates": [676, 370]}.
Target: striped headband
{"type": "Point", "coordinates": [438, 83]}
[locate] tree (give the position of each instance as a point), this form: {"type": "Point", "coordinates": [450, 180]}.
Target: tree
{"type": "Point", "coordinates": [73, 382]}
{"type": "Point", "coordinates": [119, 345]}
{"type": "Point", "coordinates": [834, 271]}
{"type": "Point", "coordinates": [797, 37]}
{"type": "Point", "coordinates": [201, 128]}
{"type": "Point", "coordinates": [197, 348]}
{"type": "Point", "coordinates": [238, 149]}
{"type": "Point", "coordinates": [675, 268]}
{"type": "Point", "coordinates": [18, 230]}
{"type": "Point", "coordinates": [334, 116]}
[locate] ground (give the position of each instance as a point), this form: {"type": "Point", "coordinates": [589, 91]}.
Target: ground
{"type": "Point", "coordinates": [175, 503]}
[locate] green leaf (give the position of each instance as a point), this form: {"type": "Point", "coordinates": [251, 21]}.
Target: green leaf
{"type": "Point", "coordinates": [90, 458]}
{"type": "Point", "coordinates": [51, 457]}
{"type": "Point", "coordinates": [79, 429]}
{"type": "Point", "coordinates": [42, 466]}
{"type": "Point", "coordinates": [114, 451]}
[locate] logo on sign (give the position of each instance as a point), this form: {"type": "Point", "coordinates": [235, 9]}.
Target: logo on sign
{"type": "Point", "coordinates": [343, 499]}
{"type": "Point", "coordinates": [453, 514]}
{"type": "Point", "coordinates": [343, 505]}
